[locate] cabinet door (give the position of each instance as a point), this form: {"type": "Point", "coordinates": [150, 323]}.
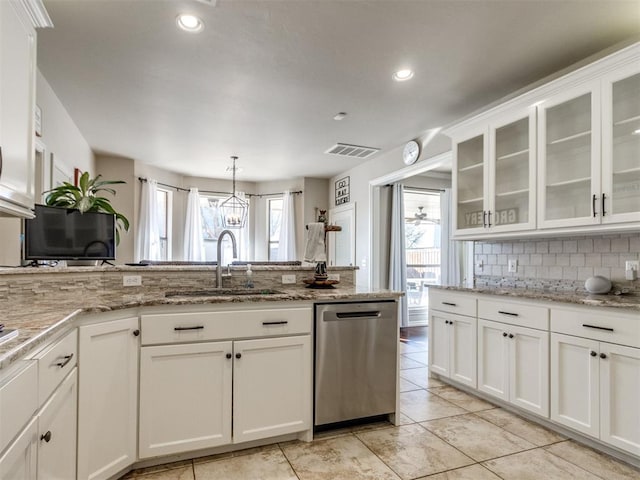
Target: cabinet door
{"type": "Point", "coordinates": [620, 396]}
{"type": "Point", "coordinates": [463, 344]}
{"type": "Point", "coordinates": [439, 344]}
{"type": "Point", "coordinates": [17, 93]}
{"type": "Point", "coordinates": [471, 181]}
{"type": "Point", "coordinates": [272, 387]}
{"type": "Point", "coordinates": [568, 158]}
{"type": "Point", "coordinates": [185, 397]}
{"type": "Point", "coordinates": [512, 170]}
{"type": "Point", "coordinates": [575, 387]}
{"type": "Point", "coordinates": [621, 145]}
{"type": "Point", "coordinates": [20, 458]}
{"type": "Point", "coordinates": [529, 369]}
{"type": "Point", "coordinates": [107, 398]}
{"type": "Point", "coordinates": [493, 359]}
{"type": "Point", "coordinates": [57, 432]}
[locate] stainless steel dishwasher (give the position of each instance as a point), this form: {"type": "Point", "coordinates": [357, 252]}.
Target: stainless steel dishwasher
{"type": "Point", "coordinates": [355, 360]}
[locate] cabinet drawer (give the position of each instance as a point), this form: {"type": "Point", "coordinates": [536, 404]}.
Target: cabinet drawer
{"type": "Point", "coordinates": [204, 326]}
{"type": "Point", "coordinates": [514, 313]}
{"type": "Point", "coordinates": [453, 302]}
{"type": "Point", "coordinates": [18, 402]}
{"type": "Point", "coordinates": [601, 325]}
{"type": "Point", "coordinates": [55, 363]}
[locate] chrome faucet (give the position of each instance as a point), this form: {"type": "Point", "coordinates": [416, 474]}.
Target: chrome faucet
{"type": "Point", "coordinates": [219, 265]}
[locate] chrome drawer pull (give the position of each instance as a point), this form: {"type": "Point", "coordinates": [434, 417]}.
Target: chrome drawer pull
{"type": "Point", "coordinates": [450, 304]}
{"type": "Point", "coordinates": [281, 322]}
{"type": "Point", "coordinates": [199, 327]}
{"type": "Point", "coordinates": [508, 313]}
{"type": "Point", "coordinates": [598, 328]}
{"type": "Point", "coordinates": [67, 359]}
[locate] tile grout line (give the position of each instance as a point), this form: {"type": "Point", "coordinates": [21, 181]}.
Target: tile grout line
{"type": "Point", "coordinates": [288, 461]}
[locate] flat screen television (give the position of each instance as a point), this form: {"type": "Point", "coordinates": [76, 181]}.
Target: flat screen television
{"type": "Point", "coordinates": [65, 234]}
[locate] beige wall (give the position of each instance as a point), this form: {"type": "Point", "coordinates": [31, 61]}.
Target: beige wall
{"type": "Point", "coordinates": [60, 137]}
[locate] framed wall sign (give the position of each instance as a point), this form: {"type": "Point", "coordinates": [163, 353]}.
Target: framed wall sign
{"type": "Point", "coordinates": [500, 217]}
{"type": "Point", "coordinates": [343, 191]}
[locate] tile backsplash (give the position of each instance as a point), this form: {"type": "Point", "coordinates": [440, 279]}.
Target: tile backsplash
{"type": "Point", "coordinates": [558, 263]}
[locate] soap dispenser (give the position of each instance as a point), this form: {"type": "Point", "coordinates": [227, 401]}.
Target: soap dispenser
{"type": "Point", "coordinates": [249, 282]}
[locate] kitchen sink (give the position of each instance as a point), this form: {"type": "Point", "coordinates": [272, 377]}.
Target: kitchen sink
{"type": "Point", "coordinates": [223, 292]}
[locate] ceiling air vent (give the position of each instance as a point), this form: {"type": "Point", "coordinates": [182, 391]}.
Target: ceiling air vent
{"type": "Point", "coordinates": [354, 151]}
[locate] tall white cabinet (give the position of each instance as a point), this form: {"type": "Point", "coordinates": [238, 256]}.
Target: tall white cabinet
{"type": "Point", "coordinates": [18, 20]}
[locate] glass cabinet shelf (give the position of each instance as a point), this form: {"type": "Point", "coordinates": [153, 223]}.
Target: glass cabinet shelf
{"type": "Point", "coordinates": [513, 193]}
{"type": "Point", "coordinates": [626, 120]}
{"type": "Point", "coordinates": [573, 181]}
{"type": "Point", "coordinates": [628, 170]}
{"type": "Point", "coordinates": [471, 167]}
{"type": "Point", "coordinates": [570, 137]}
{"type": "Point", "coordinates": [470, 200]}
{"type": "Point", "coordinates": [523, 154]}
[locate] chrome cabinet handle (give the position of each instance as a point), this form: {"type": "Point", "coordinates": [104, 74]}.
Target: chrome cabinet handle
{"type": "Point", "coordinates": [67, 359]}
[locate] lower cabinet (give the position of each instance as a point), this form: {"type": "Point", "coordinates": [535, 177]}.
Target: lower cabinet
{"type": "Point", "coordinates": [513, 364]}
{"type": "Point", "coordinates": [453, 355]}
{"type": "Point", "coordinates": [189, 393]}
{"type": "Point", "coordinates": [595, 389]}
{"type": "Point", "coordinates": [19, 461]}
{"type": "Point", "coordinates": [107, 397]}
{"type": "Point", "coordinates": [57, 432]}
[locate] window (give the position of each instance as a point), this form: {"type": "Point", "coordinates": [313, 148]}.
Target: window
{"type": "Point", "coordinates": [211, 226]}
{"type": "Point", "coordinates": [163, 205]}
{"type": "Point", "coordinates": [274, 215]}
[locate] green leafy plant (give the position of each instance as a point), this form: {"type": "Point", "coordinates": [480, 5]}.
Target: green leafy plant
{"type": "Point", "coordinates": [86, 197]}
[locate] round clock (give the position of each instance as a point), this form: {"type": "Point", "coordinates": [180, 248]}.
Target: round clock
{"type": "Point", "coordinates": [411, 152]}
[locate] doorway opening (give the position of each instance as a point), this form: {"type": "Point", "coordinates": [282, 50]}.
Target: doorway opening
{"type": "Point", "coordinates": [422, 232]}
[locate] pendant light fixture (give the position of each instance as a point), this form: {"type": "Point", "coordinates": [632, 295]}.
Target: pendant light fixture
{"type": "Point", "coordinates": [234, 209]}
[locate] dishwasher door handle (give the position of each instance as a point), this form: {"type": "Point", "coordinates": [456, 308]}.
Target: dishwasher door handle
{"type": "Point", "coordinates": [346, 315]}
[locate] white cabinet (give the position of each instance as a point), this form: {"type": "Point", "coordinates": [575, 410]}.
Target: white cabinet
{"type": "Point", "coordinates": [185, 397]}
{"type": "Point", "coordinates": [595, 385]}
{"type": "Point", "coordinates": [452, 338]}
{"type": "Point", "coordinates": [57, 432]}
{"type": "Point", "coordinates": [222, 387]}
{"type": "Point", "coordinates": [494, 175]}
{"type": "Point", "coordinates": [271, 387]}
{"type": "Point", "coordinates": [108, 397]}
{"type": "Point", "coordinates": [19, 461]}
{"type": "Point", "coordinates": [17, 101]}
{"type": "Point", "coordinates": [513, 365]}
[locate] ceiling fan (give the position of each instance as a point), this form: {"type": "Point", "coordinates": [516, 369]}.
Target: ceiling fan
{"type": "Point", "coordinates": [421, 216]}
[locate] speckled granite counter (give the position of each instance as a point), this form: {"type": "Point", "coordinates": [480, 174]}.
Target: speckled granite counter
{"type": "Point", "coordinates": [626, 302]}
{"type": "Point", "coordinates": [39, 321]}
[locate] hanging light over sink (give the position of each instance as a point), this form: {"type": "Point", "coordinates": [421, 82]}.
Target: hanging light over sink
{"type": "Point", "coordinates": [234, 209]}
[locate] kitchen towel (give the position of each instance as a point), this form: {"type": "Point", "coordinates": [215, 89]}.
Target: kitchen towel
{"type": "Point", "coordinates": [314, 250]}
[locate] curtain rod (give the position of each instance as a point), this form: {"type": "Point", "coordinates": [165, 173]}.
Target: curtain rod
{"type": "Point", "coordinates": [419, 189]}
{"type": "Point", "coordinates": [259, 195]}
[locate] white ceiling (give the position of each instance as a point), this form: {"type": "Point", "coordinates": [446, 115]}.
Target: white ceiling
{"type": "Point", "coordinates": [265, 78]}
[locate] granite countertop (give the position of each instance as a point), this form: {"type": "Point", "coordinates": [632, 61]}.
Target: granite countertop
{"type": "Point", "coordinates": [624, 302]}
{"type": "Point", "coordinates": [37, 322]}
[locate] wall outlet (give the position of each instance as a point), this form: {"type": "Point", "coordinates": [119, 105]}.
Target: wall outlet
{"type": "Point", "coordinates": [513, 265]}
{"type": "Point", "coordinates": [131, 280]}
{"type": "Point", "coordinates": [333, 276]}
{"type": "Point", "coordinates": [288, 279]}
{"type": "Point", "coordinates": [632, 265]}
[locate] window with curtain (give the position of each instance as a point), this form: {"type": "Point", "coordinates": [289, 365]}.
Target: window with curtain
{"type": "Point", "coordinates": [163, 205]}
{"type": "Point", "coordinates": [274, 215]}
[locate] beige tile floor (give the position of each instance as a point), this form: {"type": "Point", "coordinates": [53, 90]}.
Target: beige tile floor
{"type": "Point", "coordinates": [444, 434]}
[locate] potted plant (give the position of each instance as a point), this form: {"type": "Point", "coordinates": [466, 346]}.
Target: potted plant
{"type": "Point", "coordinates": [86, 197]}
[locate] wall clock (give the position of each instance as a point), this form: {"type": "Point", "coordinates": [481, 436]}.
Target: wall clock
{"type": "Point", "coordinates": [411, 152]}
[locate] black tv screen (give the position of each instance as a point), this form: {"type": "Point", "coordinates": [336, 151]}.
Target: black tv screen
{"type": "Point", "coordinates": [64, 234]}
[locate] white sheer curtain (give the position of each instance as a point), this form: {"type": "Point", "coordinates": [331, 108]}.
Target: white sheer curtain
{"type": "Point", "coordinates": [193, 240]}
{"type": "Point", "coordinates": [397, 253]}
{"type": "Point", "coordinates": [148, 238]}
{"type": "Point", "coordinates": [455, 255]}
{"type": "Point", "coordinates": [287, 239]}
{"type": "Point", "coordinates": [242, 234]}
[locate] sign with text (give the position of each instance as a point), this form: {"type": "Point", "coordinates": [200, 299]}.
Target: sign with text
{"type": "Point", "coordinates": [500, 217]}
{"type": "Point", "coordinates": [343, 191]}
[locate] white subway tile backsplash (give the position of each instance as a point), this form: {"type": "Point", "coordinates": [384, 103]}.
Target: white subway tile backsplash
{"type": "Point", "coordinates": [492, 259]}
{"type": "Point", "coordinates": [507, 248]}
{"type": "Point", "coordinates": [610, 259]}
{"type": "Point", "coordinates": [585, 245]}
{"type": "Point", "coordinates": [585, 272]}
{"type": "Point", "coordinates": [634, 244]}
{"type": "Point", "coordinates": [536, 259]}
{"type": "Point", "coordinates": [593, 259]}
{"type": "Point", "coordinates": [555, 273]}
{"type": "Point", "coordinates": [570, 246]}
{"type": "Point", "coordinates": [496, 248]}
{"type": "Point", "coordinates": [620, 245]}
{"type": "Point", "coordinates": [577, 260]}
{"type": "Point", "coordinates": [486, 248]}
{"type": "Point", "coordinates": [502, 259]}
{"type": "Point", "coordinates": [530, 247]}
{"type": "Point", "coordinates": [542, 247]}
{"type": "Point", "coordinates": [602, 245]}
{"type": "Point", "coordinates": [563, 260]}
{"type": "Point", "coordinates": [518, 247]}
{"type": "Point", "coordinates": [570, 273]}
{"type": "Point", "coordinates": [555, 246]}
{"type": "Point", "coordinates": [549, 259]}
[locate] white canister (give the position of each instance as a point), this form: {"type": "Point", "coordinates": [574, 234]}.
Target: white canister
{"type": "Point", "coordinates": [597, 284]}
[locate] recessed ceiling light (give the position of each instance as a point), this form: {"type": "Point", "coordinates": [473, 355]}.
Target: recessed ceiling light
{"type": "Point", "coordinates": [402, 75]}
{"type": "Point", "coordinates": [190, 23]}
{"type": "Point", "coordinates": [340, 115]}
{"type": "Point", "coordinates": [636, 132]}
